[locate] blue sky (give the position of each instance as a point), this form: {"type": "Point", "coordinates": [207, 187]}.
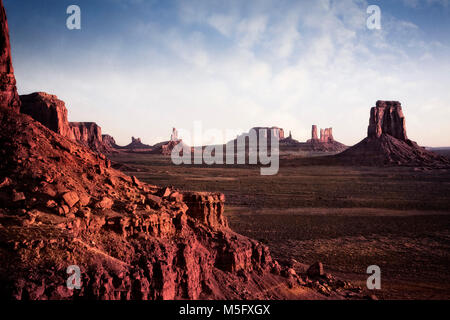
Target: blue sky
{"type": "Point", "coordinates": [139, 68]}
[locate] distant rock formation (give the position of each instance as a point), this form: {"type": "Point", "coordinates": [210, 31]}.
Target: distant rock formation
{"type": "Point", "coordinates": [387, 118]}
{"type": "Point", "coordinates": [8, 91]}
{"type": "Point", "coordinates": [324, 143]}
{"type": "Point", "coordinates": [88, 134]}
{"type": "Point", "coordinates": [387, 142]}
{"type": "Point", "coordinates": [136, 145]}
{"type": "Point", "coordinates": [48, 110]}
{"type": "Point", "coordinates": [174, 135]}
{"type": "Point", "coordinates": [268, 132]}
{"type": "Point", "coordinates": [314, 136]}
{"type": "Point", "coordinates": [109, 142]}
{"type": "Point", "coordinates": [166, 147]}
{"type": "Point", "coordinates": [326, 135]}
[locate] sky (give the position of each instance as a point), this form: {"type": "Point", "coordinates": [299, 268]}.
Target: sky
{"type": "Point", "coordinates": [140, 67]}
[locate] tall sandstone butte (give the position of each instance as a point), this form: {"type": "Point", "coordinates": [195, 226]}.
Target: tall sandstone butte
{"type": "Point", "coordinates": [387, 117]}
{"type": "Point", "coordinates": [387, 142]}
{"type": "Point", "coordinates": [8, 91]}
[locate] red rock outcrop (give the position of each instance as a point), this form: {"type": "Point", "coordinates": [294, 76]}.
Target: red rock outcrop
{"type": "Point", "coordinates": [387, 118]}
{"type": "Point", "coordinates": [324, 143]}
{"type": "Point", "coordinates": [48, 110]}
{"type": "Point", "coordinates": [387, 142]}
{"type": "Point", "coordinates": [8, 91]}
{"type": "Point", "coordinates": [88, 134]}
{"type": "Point", "coordinates": [52, 113]}
{"type": "Point", "coordinates": [109, 142]}
{"type": "Point", "coordinates": [314, 136]}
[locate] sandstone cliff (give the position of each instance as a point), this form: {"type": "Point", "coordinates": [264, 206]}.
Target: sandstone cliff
{"type": "Point", "coordinates": [387, 118]}
{"type": "Point", "coordinates": [88, 134]}
{"type": "Point", "coordinates": [48, 110]}
{"type": "Point", "coordinates": [52, 113]}
{"type": "Point", "coordinates": [8, 91]}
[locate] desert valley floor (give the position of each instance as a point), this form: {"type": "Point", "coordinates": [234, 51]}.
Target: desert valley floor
{"type": "Point", "coordinates": [346, 217]}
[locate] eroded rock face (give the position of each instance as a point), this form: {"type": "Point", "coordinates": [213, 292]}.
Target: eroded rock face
{"type": "Point", "coordinates": [109, 142]}
{"type": "Point", "coordinates": [387, 118]}
{"type": "Point", "coordinates": [48, 110]}
{"type": "Point", "coordinates": [8, 91]}
{"type": "Point", "coordinates": [52, 113]}
{"type": "Point", "coordinates": [314, 136]}
{"type": "Point", "coordinates": [88, 134]}
{"type": "Point", "coordinates": [326, 135]}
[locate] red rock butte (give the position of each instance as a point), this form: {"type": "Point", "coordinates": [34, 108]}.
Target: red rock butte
{"type": "Point", "coordinates": [387, 118]}
{"type": "Point", "coordinates": [387, 142]}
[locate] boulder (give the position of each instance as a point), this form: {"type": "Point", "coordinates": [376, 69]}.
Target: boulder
{"type": "Point", "coordinates": [315, 270]}
{"type": "Point", "coordinates": [70, 198]}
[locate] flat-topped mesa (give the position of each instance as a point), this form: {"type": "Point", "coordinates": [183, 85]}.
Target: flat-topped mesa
{"type": "Point", "coordinates": [48, 110]}
{"type": "Point", "coordinates": [387, 118]}
{"type": "Point", "coordinates": [270, 132]}
{"type": "Point", "coordinates": [8, 91]}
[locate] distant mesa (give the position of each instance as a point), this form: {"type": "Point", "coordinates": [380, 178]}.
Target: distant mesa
{"type": "Point", "coordinates": [136, 145]}
{"type": "Point", "coordinates": [387, 142]}
{"type": "Point", "coordinates": [268, 132]}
